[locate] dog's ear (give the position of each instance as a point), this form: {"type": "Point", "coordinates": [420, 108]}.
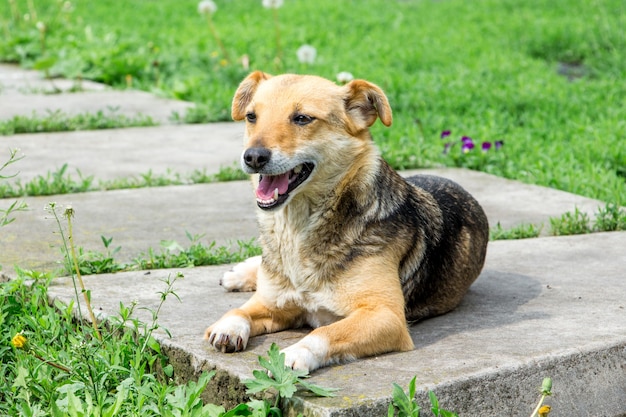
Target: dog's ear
{"type": "Point", "coordinates": [245, 92]}
{"type": "Point", "coordinates": [364, 101]}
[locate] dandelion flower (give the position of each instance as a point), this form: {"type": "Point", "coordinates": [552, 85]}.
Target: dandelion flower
{"type": "Point", "coordinates": [344, 77]}
{"type": "Point", "coordinates": [272, 4]}
{"type": "Point", "coordinates": [306, 54]}
{"type": "Point", "coordinates": [207, 7]}
{"type": "Point", "coordinates": [19, 341]}
{"type": "Point", "coordinates": [544, 411]}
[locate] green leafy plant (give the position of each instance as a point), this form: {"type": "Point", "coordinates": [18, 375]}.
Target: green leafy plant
{"type": "Point", "coordinates": [404, 404]}
{"type": "Point", "coordinates": [522, 231]}
{"type": "Point", "coordinates": [281, 379]}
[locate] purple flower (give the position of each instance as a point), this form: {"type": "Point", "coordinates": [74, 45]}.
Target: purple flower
{"type": "Point", "coordinates": [447, 147]}
{"type": "Point", "coordinates": [467, 139]}
{"type": "Point", "coordinates": [445, 134]}
{"type": "Point", "coordinates": [498, 144]}
{"type": "Point", "coordinates": [486, 146]}
{"type": "Point", "coordinates": [467, 146]}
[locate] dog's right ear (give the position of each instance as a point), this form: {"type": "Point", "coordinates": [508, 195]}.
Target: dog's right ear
{"type": "Point", "coordinates": [245, 92]}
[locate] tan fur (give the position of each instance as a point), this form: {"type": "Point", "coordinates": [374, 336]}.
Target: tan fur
{"type": "Point", "coordinates": [319, 268]}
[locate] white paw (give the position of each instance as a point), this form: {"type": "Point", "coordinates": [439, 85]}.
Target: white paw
{"type": "Point", "coordinates": [243, 276]}
{"type": "Point", "coordinates": [308, 354]}
{"type": "Point", "coordinates": [230, 334]}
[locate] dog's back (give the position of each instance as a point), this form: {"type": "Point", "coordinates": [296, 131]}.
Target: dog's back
{"type": "Point", "coordinates": [453, 255]}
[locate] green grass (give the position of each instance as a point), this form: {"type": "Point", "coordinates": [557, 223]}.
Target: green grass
{"type": "Point", "coordinates": [61, 182]}
{"type": "Point", "coordinates": [609, 218]}
{"type": "Point", "coordinates": [487, 69]}
{"type": "Point", "coordinates": [59, 122]}
{"type": "Point", "coordinates": [522, 231]}
{"type": "Point", "coordinates": [170, 255]}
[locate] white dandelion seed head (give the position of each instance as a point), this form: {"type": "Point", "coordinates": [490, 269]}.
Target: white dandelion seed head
{"type": "Point", "coordinates": [207, 7]}
{"type": "Point", "coordinates": [272, 4]}
{"type": "Point", "coordinates": [306, 54]}
{"type": "Point", "coordinates": [41, 26]}
{"type": "Point", "coordinates": [344, 77]}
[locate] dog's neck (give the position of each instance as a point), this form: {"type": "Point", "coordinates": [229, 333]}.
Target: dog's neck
{"type": "Point", "coordinates": [286, 234]}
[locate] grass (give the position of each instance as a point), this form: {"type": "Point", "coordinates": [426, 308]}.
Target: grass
{"type": "Point", "coordinates": [57, 121]}
{"type": "Point", "coordinates": [522, 231]}
{"type": "Point", "coordinates": [609, 218]}
{"type": "Point", "coordinates": [544, 77]}
{"type": "Point", "coordinates": [170, 255]}
{"type": "Point", "coordinates": [61, 182]}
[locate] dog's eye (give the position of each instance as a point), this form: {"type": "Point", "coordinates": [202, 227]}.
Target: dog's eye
{"type": "Point", "coordinates": [251, 117]}
{"type": "Point", "coordinates": [302, 119]}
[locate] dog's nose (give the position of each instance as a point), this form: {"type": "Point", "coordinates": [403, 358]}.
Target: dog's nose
{"type": "Point", "coordinates": [256, 158]}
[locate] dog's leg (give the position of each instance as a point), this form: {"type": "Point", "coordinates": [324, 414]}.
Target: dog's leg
{"type": "Point", "coordinates": [243, 276]}
{"type": "Point", "coordinates": [375, 323]}
{"type": "Point", "coordinates": [232, 332]}
{"type": "Point", "coordinates": [365, 332]}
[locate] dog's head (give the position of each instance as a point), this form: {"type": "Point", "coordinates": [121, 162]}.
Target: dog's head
{"type": "Point", "coordinates": [303, 127]}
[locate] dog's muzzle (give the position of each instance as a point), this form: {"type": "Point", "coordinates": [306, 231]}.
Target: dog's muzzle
{"type": "Point", "coordinates": [274, 190]}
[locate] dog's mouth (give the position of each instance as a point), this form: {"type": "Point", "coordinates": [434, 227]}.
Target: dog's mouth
{"type": "Point", "coordinates": [273, 190]}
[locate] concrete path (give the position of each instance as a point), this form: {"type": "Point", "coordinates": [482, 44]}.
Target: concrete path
{"type": "Point", "coordinates": [542, 307]}
{"type": "Point", "coordinates": [123, 153]}
{"type": "Point", "coordinates": [25, 93]}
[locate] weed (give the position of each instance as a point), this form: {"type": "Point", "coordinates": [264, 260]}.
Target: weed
{"type": "Point", "coordinates": [570, 223]}
{"type": "Point", "coordinates": [57, 182]}
{"type": "Point", "coordinates": [610, 218]}
{"type": "Point", "coordinates": [522, 231]}
{"type": "Point", "coordinates": [173, 255]}
{"type": "Point", "coordinates": [57, 121]}
{"type": "Point", "coordinates": [281, 379]}
{"type": "Point", "coordinates": [542, 410]}
{"type": "Point", "coordinates": [405, 405]}
{"type": "Point", "coordinates": [15, 206]}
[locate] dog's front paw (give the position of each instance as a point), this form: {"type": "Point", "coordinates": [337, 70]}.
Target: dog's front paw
{"type": "Point", "coordinates": [243, 276]}
{"type": "Point", "coordinates": [308, 354]}
{"type": "Point", "coordinates": [230, 334]}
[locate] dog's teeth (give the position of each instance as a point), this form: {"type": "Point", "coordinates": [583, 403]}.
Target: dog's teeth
{"type": "Point", "coordinates": [297, 169]}
{"type": "Point", "coordinates": [275, 193]}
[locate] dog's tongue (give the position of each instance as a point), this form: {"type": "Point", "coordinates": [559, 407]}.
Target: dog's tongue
{"type": "Point", "coordinates": [269, 183]}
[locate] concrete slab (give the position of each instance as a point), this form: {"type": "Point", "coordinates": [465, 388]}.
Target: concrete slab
{"type": "Point", "coordinates": [542, 307]}
{"type": "Point", "coordinates": [16, 80]}
{"type": "Point", "coordinates": [136, 219]}
{"type": "Point", "coordinates": [122, 153]}
{"type": "Point", "coordinates": [25, 93]}
{"type": "Point", "coordinates": [139, 219]}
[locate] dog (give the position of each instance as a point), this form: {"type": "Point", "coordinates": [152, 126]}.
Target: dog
{"type": "Point", "coordinates": [349, 247]}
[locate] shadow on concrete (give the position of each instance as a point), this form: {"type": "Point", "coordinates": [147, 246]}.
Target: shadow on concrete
{"type": "Point", "coordinates": [493, 301]}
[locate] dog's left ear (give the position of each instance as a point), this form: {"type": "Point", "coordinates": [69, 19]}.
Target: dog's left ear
{"type": "Point", "coordinates": [365, 101]}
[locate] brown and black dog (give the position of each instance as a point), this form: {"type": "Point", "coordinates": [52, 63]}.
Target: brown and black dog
{"type": "Point", "coordinates": [350, 247]}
